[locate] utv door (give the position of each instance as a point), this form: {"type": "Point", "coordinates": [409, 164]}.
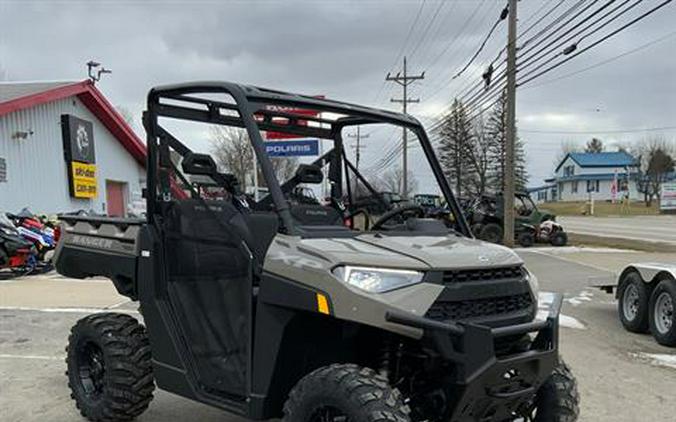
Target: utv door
{"type": "Point", "coordinates": [209, 284]}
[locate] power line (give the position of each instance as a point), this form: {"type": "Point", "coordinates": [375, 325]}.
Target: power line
{"type": "Point", "coordinates": [427, 28]}
{"type": "Point", "coordinates": [603, 62]}
{"type": "Point", "coordinates": [594, 44]}
{"type": "Point", "coordinates": [592, 132]}
{"type": "Point", "coordinates": [403, 47]}
{"type": "Point", "coordinates": [502, 17]}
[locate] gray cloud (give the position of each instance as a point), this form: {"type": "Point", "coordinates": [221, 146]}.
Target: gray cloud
{"type": "Point", "coordinates": [339, 48]}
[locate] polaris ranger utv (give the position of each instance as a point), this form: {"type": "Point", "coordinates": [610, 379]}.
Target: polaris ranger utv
{"type": "Point", "coordinates": [271, 308]}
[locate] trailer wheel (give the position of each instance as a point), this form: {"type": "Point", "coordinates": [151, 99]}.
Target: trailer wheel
{"type": "Point", "coordinates": [632, 305]}
{"type": "Point", "coordinates": [662, 317]}
{"type": "Point", "coordinates": [557, 400]}
{"type": "Point", "coordinates": [344, 392]}
{"type": "Point", "coordinates": [491, 232]}
{"type": "Point", "coordinates": [109, 367]}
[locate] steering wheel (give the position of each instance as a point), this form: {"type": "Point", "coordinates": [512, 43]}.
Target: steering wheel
{"type": "Point", "coordinates": [415, 210]}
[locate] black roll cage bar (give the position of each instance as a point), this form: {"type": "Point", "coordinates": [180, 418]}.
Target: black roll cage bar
{"type": "Point", "coordinates": [249, 112]}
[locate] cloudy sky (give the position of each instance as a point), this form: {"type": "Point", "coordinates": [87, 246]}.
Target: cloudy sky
{"type": "Point", "coordinates": [344, 49]}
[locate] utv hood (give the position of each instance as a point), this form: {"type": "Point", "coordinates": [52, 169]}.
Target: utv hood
{"type": "Point", "coordinates": [413, 252]}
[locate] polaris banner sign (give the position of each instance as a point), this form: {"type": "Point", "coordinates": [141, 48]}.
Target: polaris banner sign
{"type": "Point", "coordinates": [292, 148]}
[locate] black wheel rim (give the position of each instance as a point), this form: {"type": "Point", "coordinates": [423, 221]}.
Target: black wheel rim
{"type": "Point", "coordinates": [328, 414]}
{"type": "Point", "coordinates": [91, 369]}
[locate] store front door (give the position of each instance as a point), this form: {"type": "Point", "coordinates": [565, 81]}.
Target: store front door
{"type": "Point", "coordinates": [115, 202]}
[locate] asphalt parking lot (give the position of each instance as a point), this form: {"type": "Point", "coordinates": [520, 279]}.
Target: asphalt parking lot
{"type": "Point", "coordinates": [622, 376]}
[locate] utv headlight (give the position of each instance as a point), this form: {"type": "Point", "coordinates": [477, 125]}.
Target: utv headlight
{"type": "Point", "coordinates": [377, 280]}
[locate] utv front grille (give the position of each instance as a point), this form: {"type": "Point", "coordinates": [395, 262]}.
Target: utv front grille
{"type": "Point", "coordinates": [481, 308]}
{"type": "Point", "coordinates": [483, 274]}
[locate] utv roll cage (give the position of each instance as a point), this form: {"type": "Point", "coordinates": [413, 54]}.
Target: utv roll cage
{"type": "Point", "coordinates": [257, 109]}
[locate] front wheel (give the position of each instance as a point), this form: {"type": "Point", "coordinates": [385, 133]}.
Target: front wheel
{"type": "Point", "coordinates": [557, 400]}
{"type": "Point", "coordinates": [344, 392]}
{"type": "Point", "coordinates": [109, 367]}
{"type": "Point", "coordinates": [560, 238]}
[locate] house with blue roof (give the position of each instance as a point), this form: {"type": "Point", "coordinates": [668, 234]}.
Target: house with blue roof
{"type": "Point", "coordinates": [581, 174]}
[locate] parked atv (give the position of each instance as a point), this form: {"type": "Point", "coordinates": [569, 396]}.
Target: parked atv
{"type": "Point", "coordinates": [270, 309]}
{"type": "Point", "coordinates": [485, 215]}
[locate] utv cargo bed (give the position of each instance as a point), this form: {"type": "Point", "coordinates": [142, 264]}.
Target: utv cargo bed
{"type": "Point", "coordinates": [100, 246]}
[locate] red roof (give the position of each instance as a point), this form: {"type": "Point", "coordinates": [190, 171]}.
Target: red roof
{"type": "Point", "coordinates": [95, 102]}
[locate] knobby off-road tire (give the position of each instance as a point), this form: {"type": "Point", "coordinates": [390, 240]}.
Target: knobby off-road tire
{"type": "Point", "coordinates": [109, 367]}
{"type": "Point", "coordinates": [661, 312]}
{"type": "Point", "coordinates": [492, 232]}
{"type": "Point", "coordinates": [557, 399]}
{"type": "Point", "coordinates": [559, 239]}
{"type": "Point", "coordinates": [345, 391]}
{"type": "Point", "coordinates": [632, 305]}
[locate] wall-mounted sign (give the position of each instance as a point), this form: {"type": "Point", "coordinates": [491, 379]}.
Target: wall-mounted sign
{"type": "Point", "coordinates": [83, 180]}
{"type": "Point", "coordinates": [292, 148]}
{"type": "Point", "coordinates": [79, 152]}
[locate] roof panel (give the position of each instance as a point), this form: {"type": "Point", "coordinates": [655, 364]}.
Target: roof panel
{"type": "Point", "coordinates": [603, 159]}
{"type": "Point", "coordinates": [13, 90]}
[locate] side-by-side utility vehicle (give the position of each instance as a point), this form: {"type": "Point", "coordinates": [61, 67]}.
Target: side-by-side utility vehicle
{"type": "Point", "coordinates": [303, 310]}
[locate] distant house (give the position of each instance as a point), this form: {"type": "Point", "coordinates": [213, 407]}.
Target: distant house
{"type": "Point", "coordinates": [581, 174]}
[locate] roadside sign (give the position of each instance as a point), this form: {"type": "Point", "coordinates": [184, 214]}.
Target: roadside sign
{"type": "Point", "coordinates": [668, 197]}
{"type": "Point", "coordinates": [292, 148]}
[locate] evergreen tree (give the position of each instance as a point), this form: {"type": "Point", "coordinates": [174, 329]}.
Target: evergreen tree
{"type": "Point", "coordinates": [496, 131]}
{"type": "Point", "coordinates": [456, 137]}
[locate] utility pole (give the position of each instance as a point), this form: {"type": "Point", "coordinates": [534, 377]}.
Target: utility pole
{"type": "Point", "coordinates": [358, 146]}
{"type": "Point", "coordinates": [510, 138]}
{"type": "Point", "coordinates": [404, 80]}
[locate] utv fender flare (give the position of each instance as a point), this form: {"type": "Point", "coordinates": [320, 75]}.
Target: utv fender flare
{"type": "Point", "coordinates": [279, 291]}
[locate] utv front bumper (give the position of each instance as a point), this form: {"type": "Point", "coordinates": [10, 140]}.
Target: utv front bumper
{"type": "Point", "coordinates": [486, 386]}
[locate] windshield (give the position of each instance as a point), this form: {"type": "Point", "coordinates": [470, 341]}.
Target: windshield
{"type": "Point", "coordinates": [357, 182]}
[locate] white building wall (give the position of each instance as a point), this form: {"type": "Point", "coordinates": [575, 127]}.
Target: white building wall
{"type": "Point", "coordinates": [37, 175]}
{"type": "Point", "coordinates": [604, 193]}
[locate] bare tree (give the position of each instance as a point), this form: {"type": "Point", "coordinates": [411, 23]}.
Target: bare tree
{"type": "Point", "coordinates": [567, 147]}
{"type": "Point", "coordinates": [127, 115]}
{"type": "Point", "coordinates": [232, 151]}
{"type": "Point", "coordinates": [656, 161]}
{"type": "Point", "coordinates": [392, 181]}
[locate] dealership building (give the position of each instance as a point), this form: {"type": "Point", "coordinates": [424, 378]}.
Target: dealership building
{"type": "Point", "coordinates": [64, 148]}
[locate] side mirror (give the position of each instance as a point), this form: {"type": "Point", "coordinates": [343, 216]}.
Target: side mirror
{"type": "Point", "coordinates": [199, 164]}
{"type": "Point", "coordinates": [308, 173]}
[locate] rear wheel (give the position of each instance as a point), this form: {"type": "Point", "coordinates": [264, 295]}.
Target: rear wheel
{"type": "Point", "coordinates": [346, 393]}
{"type": "Point", "coordinates": [109, 367]}
{"type": "Point", "coordinates": [662, 317]}
{"type": "Point", "coordinates": [491, 232]}
{"type": "Point", "coordinates": [633, 303]}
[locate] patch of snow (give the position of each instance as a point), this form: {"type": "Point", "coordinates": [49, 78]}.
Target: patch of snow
{"type": "Point", "coordinates": [657, 359]}
{"type": "Point", "coordinates": [545, 300]}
